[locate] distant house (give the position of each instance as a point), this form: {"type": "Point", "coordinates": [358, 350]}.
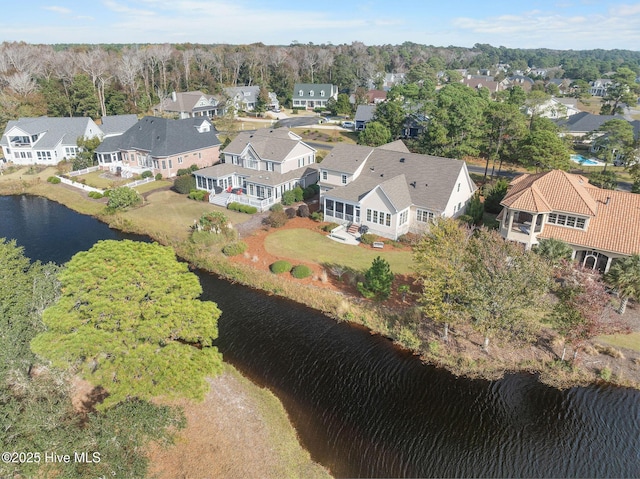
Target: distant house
{"type": "Point", "coordinates": [160, 145]}
{"type": "Point", "coordinates": [522, 81]}
{"type": "Point", "coordinates": [599, 225]}
{"type": "Point", "coordinates": [583, 123]}
{"type": "Point", "coordinates": [311, 95]}
{"type": "Point", "coordinates": [364, 114]}
{"type": "Point", "coordinates": [479, 81]}
{"type": "Point", "coordinates": [190, 104]}
{"type": "Point", "coordinates": [392, 79]}
{"type": "Point", "coordinates": [414, 125]}
{"type": "Point", "coordinates": [390, 190]}
{"type": "Point", "coordinates": [259, 166]}
{"type": "Point", "coordinates": [45, 140]}
{"type": "Point", "coordinates": [245, 98]}
{"type": "Point", "coordinates": [115, 125]}
{"type": "Point", "coordinates": [556, 108]}
{"type": "Point", "coordinates": [599, 87]}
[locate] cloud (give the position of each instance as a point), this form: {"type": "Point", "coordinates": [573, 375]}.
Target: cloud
{"type": "Point", "coordinates": [60, 10]}
{"type": "Point", "coordinates": [124, 9]}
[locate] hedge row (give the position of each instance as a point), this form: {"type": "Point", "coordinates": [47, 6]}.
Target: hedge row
{"type": "Point", "coordinates": [235, 206]}
{"type": "Point", "coordinates": [299, 271]}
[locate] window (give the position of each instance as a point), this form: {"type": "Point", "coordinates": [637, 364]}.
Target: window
{"type": "Point", "coordinates": [321, 92]}
{"type": "Point", "coordinates": [156, 165]}
{"type": "Point", "coordinates": [324, 174]}
{"type": "Point", "coordinates": [164, 165]}
{"type": "Point", "coordinates": [179, 160]}
{"type": "Point", "coordinates": [567, 220]}
{"type": "Point", "coordinates": [344, 179]}
{"type": "Point", "coordinates": [269, 165]}
{"type": "Point", "coordinates": [458, 186]}
{"type": "Point", "coordinates": [424, 216]}
{"type": "Point", "coordinates": [368, 214]}
{"type": "Point", "coordinates": [300, 93]}
{"type": "Point", "coordinates": [170, 163]}
{"type": "Point", "coordinates": [388, 220]}
{"type": "Point", "coordinates": [379, 217]}
{"type": "Point", "coordinates": [403, 217]}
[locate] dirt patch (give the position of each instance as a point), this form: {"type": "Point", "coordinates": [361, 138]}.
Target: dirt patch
{"type": "Point", "coordinates": [227, 436]}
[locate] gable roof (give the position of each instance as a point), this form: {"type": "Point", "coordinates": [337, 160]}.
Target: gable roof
{"type": "Point", "coordinates": [269, 144]}
{"type": "Point", "coordinates": [584, 122]}
{"type": "Point", "coordinates": [248, 94]}
{"type": "Point", "coordinates": [117, 124]}
{"type": "Point", "coordinates": [186, 101]}
{"type": "Point", "coordinates": [58, 130]}
{"type": "Point", "coordinates": [162, 137]}
{"type": "Point", "coordinates": [365, 112]}
{"type": "Point", "coordinates": [426, 181]}
{"type": "Point", "coordinates": [397, 145]}
{"type": "Point", "coordinates": [317, 89]}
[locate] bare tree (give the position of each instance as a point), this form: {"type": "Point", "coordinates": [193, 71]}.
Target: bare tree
{"type": "Point", "coordinates": [236, 60]}
{"type": "Point", "coordinates": [21, 83]}
{"type": "Point", "coordinates": [129, 67]}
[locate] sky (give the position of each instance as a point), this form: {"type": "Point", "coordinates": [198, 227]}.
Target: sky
{"type": "Point", "coordinates": [560, 24]}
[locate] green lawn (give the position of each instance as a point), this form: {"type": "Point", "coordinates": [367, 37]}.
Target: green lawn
{"type": "Point", "coordinates": [94, 179]}
{"type": "Point", "coordinates": [628, 341]}
{"type": "Point", "coordinates": [153, 185]}
{"type": "Point", "coordinates": [314, 247]}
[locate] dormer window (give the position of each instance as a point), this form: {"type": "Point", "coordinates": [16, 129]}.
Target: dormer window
{"type": "Point", "coordinates": [300, 93]}
{"type": "Point", "coordinates": [321, 92]}
{"type": "Point", "coordinates": [310, 92]}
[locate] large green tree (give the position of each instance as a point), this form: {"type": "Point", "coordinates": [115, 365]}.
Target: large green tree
{"type": "Point", "coordinates": [377, 280]}
{"type": "Point", "coordinates": [543, 149]}
{"type": "Point", "coordinates": [623, 90]}
{"type": "Point", "coordinates": [130, 321]}
{"type": "Point", "coordinates": [439, 263]}
{"type": "Point", "coordinates": [505, 127]}
{"type": "Point", "coordinates": [507, 286]}
{"type": "Point", "coordinates": [375, 134]}
{"type": "Point", "coordinates": [615, 136]}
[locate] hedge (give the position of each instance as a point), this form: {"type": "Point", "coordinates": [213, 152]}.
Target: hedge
{"type": "Point", "coordinates": [301, 271]}
{"type": "Point", "coordinates": [234, 249]}
{"type": "Point", "coordinates": [96, 195]}
{"type": "Point", "coordinates": [368, 238]}
{"type": "Point", "coordinates": [198, 195]}
{"type": "Point", "coordinates": [329, 227]}
{"type": "Point", "coordinates": [146, 174]}
{"type": "Point", "coordinates": [280, 266]}
{"type": "Point", "coordinates": [54, 180]}
{"type": "Point", "coordinates": [242, 208]}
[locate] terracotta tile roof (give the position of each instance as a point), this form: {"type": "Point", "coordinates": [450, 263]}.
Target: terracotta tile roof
{"type": "Point", "coordinates": [554, 190]}
{"type": "Point", "coordinates": [615, 228]}
{"type": "Point", "coordinates": [614, 223]}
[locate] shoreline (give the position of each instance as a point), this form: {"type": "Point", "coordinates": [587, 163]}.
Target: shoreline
{"type": "Point", "coordinates": [340, 307]}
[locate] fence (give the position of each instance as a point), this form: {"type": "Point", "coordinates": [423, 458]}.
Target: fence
{"type": "Point", "coordinates": [81, 186]}
{"type": "Point", "coordinates": [133, 184]}
{"type": "Point", "coordinates": [83, 172]}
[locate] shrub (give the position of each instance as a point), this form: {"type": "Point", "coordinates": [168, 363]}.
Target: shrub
{"type": "Point", "coordinates": [193, 168]}
{"type": "Point", "coordinates": [184, 184]}
{"type": "Point", "coordinates": [276, 207]}
{"type": "Point", "coordinates": [377, 280]}
{"type": "Point", "coordinates": [368, 238]}
{"type": "Point", "coordinates": [234, 249]}
{"type": "Point", "coordinates": [290, 212]}
{"type": "Point", "coordinates": [158, 176]}
{"type": "Point", "coordinates": [317, 216]}
{"type": "Point", "coordinates": [301, 271]}
{"type": "Point", "coordinates": [54, 180]}
{"type": "Point", "coordinates": [276, 219]}
{"type": "Point", "coordinates": [183, 171]}
{"type": "Point", "coordinates": [242, 208]}
{"type": "Point", "coordinates": [96, 195]}
{"type": "Point", "coordinates": [123, 197]}
{"type": "Point", "coordinates": [495, 195]}
{"type": "Point", "coordinates": [303, 211]}
{"type": "Point", "coordinates": [308, 193]}
{"type": "Point", "coordinates": [107, 193]}
{"type": "Point", "coordinates": [280, 266]}
{"type": "Point", "coordinates": [197, 195]}
{"type": "Point", "coordinates": [468, 219]}
{"type": "Point", "coordinates": [288, 197]}
{"type": "Point", "coordinates": [605, 374]}
{"type": "Point", "coordinates": [146, 174]}
{"type": "Point", "coordinates": [329, 226]}
{"type": "Point", "coordinates": [298, 193]}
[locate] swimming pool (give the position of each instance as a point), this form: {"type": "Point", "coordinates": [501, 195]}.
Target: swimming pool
{"type": "Point", "coordinates": [585, 161]}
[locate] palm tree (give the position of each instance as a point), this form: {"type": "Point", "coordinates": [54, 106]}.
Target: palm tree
{"type": "Point", "coordinates": [624, 276]}
{"type": "Point", "coordinates": [553, 250]}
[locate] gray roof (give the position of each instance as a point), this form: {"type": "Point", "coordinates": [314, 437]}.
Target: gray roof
{"type": "Point", "coordinates": [269, 144]}
{"type": "Point", "coordinates": [346, 158]}
{"type": "Point", "coordinates": [185, 101]}
{"type": "Point", "coordinates": [397, 145]}
{"type": "Point", "coordinates": [65, 131]}
{"type": "Point", "coordinates": [117, 124]}
{"type": "Point", "coordinates": [426, 181]}
{"type": "Point", "coordinates": [584, 122]}
{"type": "Point", "coordinates": [365, 112]}
{"type": "Point", "coordinates": [316, 88]}
{"type": "Point", "coordinates": [247, 94]}
{"type": "Point", "coordinates": [162, 137]}
{"type": "Point", "coordinates": [267, 178]}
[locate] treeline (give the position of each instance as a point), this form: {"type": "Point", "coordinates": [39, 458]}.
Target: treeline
{"type": "Point", "coordinates": [94, 80]}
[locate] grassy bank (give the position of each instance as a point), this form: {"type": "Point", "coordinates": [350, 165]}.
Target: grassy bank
{"type": "Point", "coordinates": [167, 218]}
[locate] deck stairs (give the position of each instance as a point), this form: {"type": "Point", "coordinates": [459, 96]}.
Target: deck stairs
{"type": "Point", "coordinates": [221, 199]}
{"type": "Point", "coordinates": [353, 229]}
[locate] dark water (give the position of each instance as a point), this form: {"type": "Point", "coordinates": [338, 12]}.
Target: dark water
{"type": "Point", "coordinates": [365, 409]}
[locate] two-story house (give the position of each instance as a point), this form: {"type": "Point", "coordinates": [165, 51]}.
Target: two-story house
{"type": "Point", "coordinates": [190, 104]}
{"type": "Point", "coordinates": [600, 225]}
{"type": "Point", "coordinates": [245, 98]}
{"type": "Point", "coordinates": [161, 145]}
{"type": "Point", "coordinates": [45, 140]}
{"type": "Point", "coordinates": [259, 166]}
{"type": "Point", "coordinates": [311, 95]}
{"type": "Point", "coordinates": [389, 190]}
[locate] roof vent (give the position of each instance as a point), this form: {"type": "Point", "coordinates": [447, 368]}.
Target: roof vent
{"type": "Point", "coordinates": [401, 160]}
{"type": "Point", "coordinates": [413, 183]}
{"type": "Point", "coordinates": [608, 199]}
{"type": "Point", "coordinates": [426, 184]}
{"type": "Point", "coordinates": [381, 174]}
{"type": "Point", "coordinates": [372, 168]}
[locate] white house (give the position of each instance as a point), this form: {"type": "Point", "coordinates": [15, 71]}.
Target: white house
{"type": "Point", "coordinates": [45, 140]}
{"type": "Point", "coordinates": [245, 98]}
{"type": "Point", "coordinates": [190, 104]}
{"type": "Point", "coordinates": [390, 190]}
{"type": "Point", "coordinates": [259, 166]}
{"type": "Point", "coordinates": [311, 95]}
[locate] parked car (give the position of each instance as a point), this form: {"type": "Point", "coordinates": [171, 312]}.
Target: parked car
{"type": "Point", "coordinates": [348, 124]}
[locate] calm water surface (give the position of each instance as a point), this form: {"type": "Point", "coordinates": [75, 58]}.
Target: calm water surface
{"type": "Point", "coordinates": [362, 407]}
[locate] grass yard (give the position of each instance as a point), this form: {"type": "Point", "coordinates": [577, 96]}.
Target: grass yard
{"type": "Point", "coordinates": [172, 214]}
{"type": "Point", "coordinates": [309, 246]}
{"type": "Point", "coordinates": [94, 179]}
{"type": "Point", "coordinates": [153, 185]}
{"type": "Point", "coordinates": [627, 341]}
